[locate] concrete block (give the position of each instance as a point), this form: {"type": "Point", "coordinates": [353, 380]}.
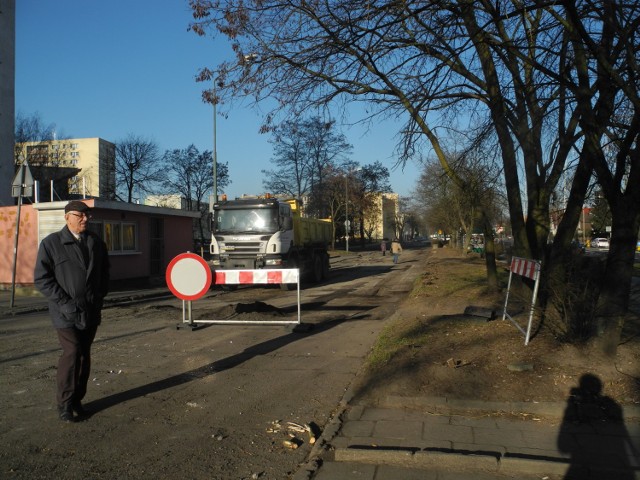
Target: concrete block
{"type": "Point", "coordinates": [338, 470]}
{"type": "Point", "coordinates": [469, 404]}
{"type": "Point", "coordinates": [452, 433]}
{"type": "Point", "coordinates": [391, 472]}
{"type": "Point", "coordinates": [383, 414]}
{"type": "Point", "coordinates": [398, 429]}
{"type": "Point", "coordinates": [375, 456]}
{"type": "Point", "coordinates": [354, 413]}
{"type": "Point", "coordinates": [512, 466]}
{"type": "Point", "coordinates": [425, 403]}
{"type": "Point", "coordinates": [435, 419]}
{"type": "Point", "coordinates": [482, 422]}
{"type": "Point", "coordinates": [375, 442]}
{"type": "Point", "coordinates": [495, 436]}
{"type": "Point", "coordinates": [454, 461]}
{"type": "Point", "coordinates": [357, 429]}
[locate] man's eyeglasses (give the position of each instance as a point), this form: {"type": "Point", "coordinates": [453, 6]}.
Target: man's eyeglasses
{"type": "Point", "coordinates": [80, 215]}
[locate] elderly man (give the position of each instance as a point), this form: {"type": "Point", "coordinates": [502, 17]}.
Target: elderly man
{"type": "Point", "coordinates": [72, 271]}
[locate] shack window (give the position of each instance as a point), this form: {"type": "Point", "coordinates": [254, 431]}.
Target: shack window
{"type": "Point", "coordinates": [120, 237]}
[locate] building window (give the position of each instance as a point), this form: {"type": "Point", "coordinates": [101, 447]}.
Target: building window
{"type": "Point", "coordinates": [120, 237]}
{"type": "Point", "coordinates": [74, 146]}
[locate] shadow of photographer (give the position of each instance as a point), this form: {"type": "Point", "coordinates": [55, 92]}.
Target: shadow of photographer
{"type": "Point", "coordinates": [594, 435]}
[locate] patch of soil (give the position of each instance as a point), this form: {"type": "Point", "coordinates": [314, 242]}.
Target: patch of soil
{"type": "Point", "coordinates": [440, 352]}
{"type": "Point", "coordinates": [245, 311]}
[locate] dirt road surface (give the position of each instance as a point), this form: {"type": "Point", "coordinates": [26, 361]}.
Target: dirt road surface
{"type": "Point", "coordinates": [206, 404]}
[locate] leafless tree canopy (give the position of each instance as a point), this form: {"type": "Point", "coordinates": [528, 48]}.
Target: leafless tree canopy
{"type": "Point", "coordinates": [557, 83]}
{"type": "Point", "coordinates": [137, 166]}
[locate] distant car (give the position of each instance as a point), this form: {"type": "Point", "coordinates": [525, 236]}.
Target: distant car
{"type": "Point", "coordinates": [600, 243]}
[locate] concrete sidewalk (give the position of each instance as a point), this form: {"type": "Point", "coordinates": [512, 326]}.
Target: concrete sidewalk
{"type": "Point", "coordinates": [437, 438]}
{"type": "Point", "coordinates": [426, 438]}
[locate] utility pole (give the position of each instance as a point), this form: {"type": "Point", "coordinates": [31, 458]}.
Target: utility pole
{"type": "Point", "coordinates": [346, 208]}
{"type": "Point", "coordinates": [215, 146]}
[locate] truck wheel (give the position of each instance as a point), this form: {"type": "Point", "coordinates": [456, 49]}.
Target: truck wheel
{"type": "Point", "coordinates": [292, 263]}
{"type": "Point", "coordinates": [317, 268]}
{"type": "Point", "coordinates": [325, 266]}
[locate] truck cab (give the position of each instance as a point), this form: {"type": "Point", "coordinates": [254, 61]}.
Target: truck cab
{"type": "Point", "coordinates": [250, 234]}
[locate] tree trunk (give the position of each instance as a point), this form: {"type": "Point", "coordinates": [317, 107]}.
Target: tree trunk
{"type": "Point", "coordinates": [613, 301]}
{"type": "Point", "coordinates": [489, 252]}
{"type": "Point", "coordinates": [490, 261]}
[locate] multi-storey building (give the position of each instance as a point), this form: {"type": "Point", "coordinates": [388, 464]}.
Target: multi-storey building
{"type": "Point", "coordinates": [383, 215]}
{"type": "Point", "coordinates": [94, 157]}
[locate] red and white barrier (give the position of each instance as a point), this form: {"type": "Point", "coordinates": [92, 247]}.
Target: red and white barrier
{"type": "Point", "coordinates": [256, 277]}
{"type": "Point", "coordinates": [251, 277]}
{"type": "Point", "coordinates": [525, 267]}
{"type": "Point", "coordinates": [528, 268]}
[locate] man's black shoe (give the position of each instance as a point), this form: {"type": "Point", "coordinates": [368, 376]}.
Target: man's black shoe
{"type": "Point", "coordinates": [65, 414]}
{"type": "Point", "coordinates": [79, 409]}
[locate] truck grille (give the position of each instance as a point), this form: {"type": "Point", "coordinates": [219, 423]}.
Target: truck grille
{"type": "Point", "coordinates": [241, 248]}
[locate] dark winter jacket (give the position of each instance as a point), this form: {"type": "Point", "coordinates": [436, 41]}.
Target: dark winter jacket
{"type": "Point", "coordinates": [75, 291]}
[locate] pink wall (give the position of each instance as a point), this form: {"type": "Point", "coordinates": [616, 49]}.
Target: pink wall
{"type": "Point", "coordinates": [28, 238]}
{"type": "Point", "coordinates": [178, 238]}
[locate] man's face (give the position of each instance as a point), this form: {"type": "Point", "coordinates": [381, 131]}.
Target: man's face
{"type": "Point", "coordinates": [77, 222]}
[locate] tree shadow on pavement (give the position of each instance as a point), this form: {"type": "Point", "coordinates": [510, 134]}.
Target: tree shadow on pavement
{"type": "Point", "coordinates": [207, 370]}
{"type": "Point", "coordinates": [594, 434]}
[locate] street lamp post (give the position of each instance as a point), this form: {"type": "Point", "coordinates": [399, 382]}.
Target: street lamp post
{"type": "Point", "coordinates": [346, 208]}
{"type": "Point", "coordinates": [347, 223]}
{"type": "Point", "coordinates": [215, 147]}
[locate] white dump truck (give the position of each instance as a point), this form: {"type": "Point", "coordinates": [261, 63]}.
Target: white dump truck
{"type": "Point", "coordinates": [267, 232]}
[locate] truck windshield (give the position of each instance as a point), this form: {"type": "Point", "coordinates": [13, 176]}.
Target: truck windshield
{"type": "Point", "coordinates": [246, 220]}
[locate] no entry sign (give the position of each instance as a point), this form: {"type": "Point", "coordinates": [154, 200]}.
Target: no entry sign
{"type": "Point", "coordinates": [188, 276]}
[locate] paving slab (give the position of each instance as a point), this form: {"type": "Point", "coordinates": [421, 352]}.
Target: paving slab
{"type": "Point", "coordinates": [474, 440]}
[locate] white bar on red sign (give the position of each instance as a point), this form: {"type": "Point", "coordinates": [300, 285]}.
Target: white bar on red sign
{"type": "Point", "coordinates": [252, 277]}
{"type": "Point", "coordinates": [525, 267]}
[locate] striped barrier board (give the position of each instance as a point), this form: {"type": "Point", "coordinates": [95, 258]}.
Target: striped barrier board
{"type": "Point", "coordinates": [528, 268]}
{"type": "Point", "coordinates": [254, 277]}
{"type": "Point", "coordinates": [525, 267]}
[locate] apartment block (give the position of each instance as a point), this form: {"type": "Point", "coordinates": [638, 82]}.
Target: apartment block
{"type": "Point", "coordinates": [94, 158]}
{"type": "Point", "coordinates": [383, 215]}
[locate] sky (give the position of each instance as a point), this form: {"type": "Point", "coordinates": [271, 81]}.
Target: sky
{"type": "Point", "coordinates": [112, 68]}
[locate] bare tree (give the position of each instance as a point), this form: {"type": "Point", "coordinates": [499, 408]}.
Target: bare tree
{"type": "Point", "coordinates": [550, 78]}
{"type": "Point", "coordinates": [326, 148]}
{"type": "Point", "coordinates": [189, 173]}
{"type": "Point", "coordinates": [137, 166]}
{"type": "Point", "coordinates": [49, 164]}
{"type": "Point", "coordinates": [292, 175]}
{"type": "Point", "coordinates": [31, 128]}
{"type": "Point", "coordinates": [304, 151]}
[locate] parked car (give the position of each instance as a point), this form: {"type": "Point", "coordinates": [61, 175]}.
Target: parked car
{"type": "Point", "coordinates": [600, 243]}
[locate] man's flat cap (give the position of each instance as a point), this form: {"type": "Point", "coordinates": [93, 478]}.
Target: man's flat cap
{"type": "Point", "coordinates": [76, 206]}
